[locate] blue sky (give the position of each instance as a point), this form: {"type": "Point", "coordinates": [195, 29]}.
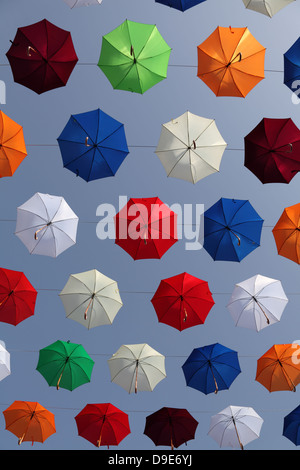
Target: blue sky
{"type": "Point", "coordinates": [142, 175]}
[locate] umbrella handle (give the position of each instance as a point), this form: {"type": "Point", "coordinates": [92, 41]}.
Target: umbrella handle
{"type": "Point", "coordinates": [136, 377]}
{"type": "Point", "coordinates": [239, 240]}
{"type": "Point", "coordinates": [21, 439]}
{"type": "Point", "coordinates": [172, 445]}
{"type": "Point", "coordinates": [86, 142]}
{"type": "Point", "coordinates": [37, 231]}
{"type": "Point", "coordinates": [267, 319]}
{"type": "Point", "coordinates": [241, 445]}
{"type": "Point", "coordinates": [185, 315]}
{"type": "Point", "coordinates": [293, 389]}
{"type": "Point", "coordinates": [216, 385]}
{"type": "Point", "coordinates": [86, 310]}
{"type": "Point", "coordinates": [29, 48]}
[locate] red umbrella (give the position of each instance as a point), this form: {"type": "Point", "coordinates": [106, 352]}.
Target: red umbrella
{"type": "Point", "coordinates": [42, 56]}
{"type": "Point", "coordinates": [17, 297]}
{"type": "Point", "coordinates": [272, 150]}
{"type": "Point", "coordinates": [170, 426]}
{"type": "Point", "coordinates": [146, 228]}
{"type": "Point", "coordinates": [102, 424]}
{"type": "Point", "coordinates": [182, 301]}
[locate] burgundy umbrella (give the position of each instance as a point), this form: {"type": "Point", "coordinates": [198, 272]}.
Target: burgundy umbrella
{"type": "Point", "coordinates": [42, 56]}
{"type": "Point", "coordinates": [272, 150]}
{"type": "Point", "coordinates": [170, 426]}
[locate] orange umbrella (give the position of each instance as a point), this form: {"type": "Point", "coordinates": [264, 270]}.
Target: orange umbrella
{"type": "Point", "coordinates": [231, 61]}
{"type": "Point", "coordinates": [29, 421]}
{"type": "Point", "coordinates": [12, 145]}
{"type": "Point", "coordinates": [286, 233]}
{"type": "Point", "coordinates": [279, 368]}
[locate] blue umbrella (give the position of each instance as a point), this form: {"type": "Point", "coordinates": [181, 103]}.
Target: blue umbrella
{"type": "Point", "coordinates": [292, 66]}
{"type": "Point", "coordinates": [93, 145]}
{"type": "Point", "coordinates": [211, 368]}
{"type": "Point", "coordinates": [232, 229]}
{"type": "Point", "coordinates": [291, 426]}
{"type": "Point", "coordinates": [181, 5]}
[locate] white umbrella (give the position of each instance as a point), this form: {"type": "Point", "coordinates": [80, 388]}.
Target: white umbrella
{"type": "Point", "coordinates": [82, 3]}
{"type": "Point", "coordinates": [137, 367]}
{"type": "Point", "coordinates": [190, 147]}
{"type": "Point", "coordinates": [257, 302]}
{"type": "Point", "coordinates": [4, 361]}
{"type": "Point", "coordinates": [91, 298]}
{"type": "Point", "coordinates": [235, 426]}
{"type": "Point", "coordinates": [266, 7]}
{"type": "Point", "coordinates": [46, 225]}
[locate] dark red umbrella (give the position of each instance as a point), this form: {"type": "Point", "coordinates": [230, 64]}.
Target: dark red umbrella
{"type": "Point", "coordinates": [17, 297]}
{"type": "Point", "coordinates": [170, 427]}
{"type": "Point", "coordinates": [272, 150]}
{"type": "Point", "coordinates": [102, 424]}
{"type": "Point", "coordinates": [146, 228]}
{"type": "Point", "coordinates": [182, 301]}
{"type": "Point", "coordinates": [42, 56]}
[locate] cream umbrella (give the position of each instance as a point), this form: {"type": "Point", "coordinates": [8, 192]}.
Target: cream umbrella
{"type": "Point", "coordinates": [266, 7]}
{"type": "Point", "coordinates": [82, 3]}
{"type": "Point", "coordinates": [4, 361]}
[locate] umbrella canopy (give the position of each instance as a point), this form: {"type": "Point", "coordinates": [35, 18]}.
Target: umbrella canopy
{"type": "Point", "coordinates": [93, 145]}
{"type": "Point", "coordinates": [91, 298]}
{"type": "Point", "coordinates": [17, 297]}
{"type": "Point", "coordinates": [12, 145]}
{"type": "Point", "coordinates": [4, 361]}
{"type": "Point", "coordinates": [231, 61]}
{"type": "Point", "coordinates": [29, 421]}
{"type": "Point", "coordinates": [64, 364]}
{"type": "Point", "coordinates": [42, 56]}
{"type": "Point", "coordinates": [272, 150]}
{"type": "Point", "coordinates": [181, 5]}
{"type": "Point", "coordinates": [232, 229]}
{"type": "Point", "coordinates": [170, 427]}
{"type": "Point", "coordinates": [279, 368]}
{"type": "Point", "coordinates": [46, 225]}
{"type": "Point", "coordinates": [291, 67]}
{"type": "Point", "coordinates": [286, 233]}
{"type": "Point", "coordinates": [235, 426]}
{"type": "Point", "coordinates": [257, 302]}
{"type": "Point", "coordinates": [102, 424]}
{"type": "Point", "coordinates": [82, 3]}
{"type": "Point", "coordinates": [182, 301]}
{"type": "Point", "coordinates": [146, 228]}
{"type": "Point", "coordinates": [190, 147]}
{"type": "Point", "coordinates": [291, 426]}
{"type": "Point", "coordinates": [137, 367]}
{"type": "Point", "coordinates": [134, 57]}
{"type": "Point", "coordinates": [211, 368]}
{"type": "Point", "coordinates": [266, 7]}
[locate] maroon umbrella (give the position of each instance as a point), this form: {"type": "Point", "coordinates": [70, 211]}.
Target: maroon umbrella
{"type": "Point", "coordinates": [272, 150]}
{"type": "Point", "coordinates": [170, 426]}
{"type": "Point", "coordinates": [42, 56]}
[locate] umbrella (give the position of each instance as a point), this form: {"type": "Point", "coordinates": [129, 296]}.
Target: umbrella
{"type": "Point", "coordinates": [231, 61]}
{"type": "Point", "coordinates": [93, 145]}
{"type": "Point", "coordinates": [91, 298]}
{"type": "Point", "coordinates": [42, 56]}
{"type": "Point", "coordinates": [4, 361]}
{"type": "Point", "coordinates": [257, 302]}
{"type": "Point", "coordinates": [235, 426]}
{"type": "Point", "coordinates": [232, 229]}
{"type": "Point", "coordinates": [137, 367]}
{"type": "Point", "coordinates": [102, 424]}
{"type": "Point", "coordinates": [279, 368]}
{"type": "Point", "coordinates": [211, 368]}
{"type": "Point", "coordinates": [266, 7]}
{"type": "Point", "coordinates": [170, 427]}
{"type": "Point", "coordinates": [291, 426]}
{"type": "Point", "coordinates": [272, 150]}
{"type": "Point", "coordinates": [146, 228]}
{"type": "Point", "coordinates": [182, 301]}
{"type": "Point", "coordinates": [64, 364]}
{"type": "Point", "coordinates": [46, 225]}
{"type": "Point", "coordinates": [12, 145]}
{"type": "Point", "coordinates": [181, 5]}
{"type": "Point", "coordinates": [17, 297]}
{"type": "Point", "coordinates": [291, 67]}
{"type": "Point", "coordinates": [82, 3]}
{"type": "Point", "coordinates": [286, 233]}
{"type": "Point", "coordinates": [134, 57]}
{"type": "Point", "coordinates": [29, 421]}
{"type": "Point", "coordinates": [190, 147]}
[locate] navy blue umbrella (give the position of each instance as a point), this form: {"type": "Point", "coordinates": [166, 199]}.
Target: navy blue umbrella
{"type": "Point", "coordinates": [291, 426]}
{"type": "Point", "coordinates": [211, 368]}
{"type": "Point", "coordinates": [292, 66]}
{"type": "Point", "coordinates": [181, 5]}
{"type": "Point", "coordinates": [93, 145]}
{"type": "Point", "coordinates": [232, 229]}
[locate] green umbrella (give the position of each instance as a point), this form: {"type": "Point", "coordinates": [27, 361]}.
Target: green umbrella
{"type": "Point", "coordinates": [64, 364]}
{"type": "Point", "coordinates": [134, 56]}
